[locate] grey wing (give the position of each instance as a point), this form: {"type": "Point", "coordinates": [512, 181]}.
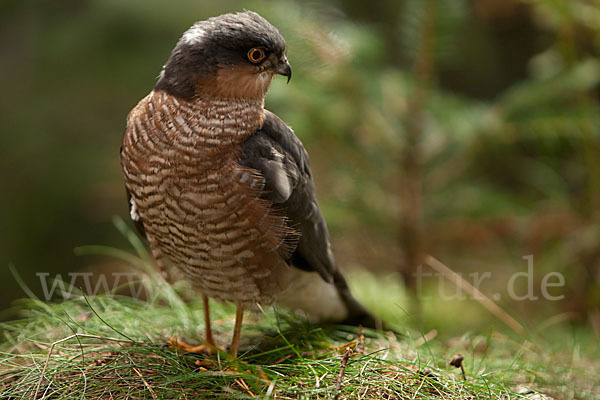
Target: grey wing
{"type": "Point", "coordinates": [278, 154]}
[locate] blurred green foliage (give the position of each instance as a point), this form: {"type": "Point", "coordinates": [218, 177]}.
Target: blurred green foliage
{"type": "Point", "coordinates": [509, 140]}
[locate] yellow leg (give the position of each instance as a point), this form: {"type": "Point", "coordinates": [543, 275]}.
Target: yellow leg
{"type": "Point", "coordinates": [235, 341]}
{"type": "Point", "coordinates": [209, 346]}
{"type": "Point", "coordinates": [209, 340]}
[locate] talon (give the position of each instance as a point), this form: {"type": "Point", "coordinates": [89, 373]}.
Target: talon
{"type": "Point", "coordinates": [206, 349]}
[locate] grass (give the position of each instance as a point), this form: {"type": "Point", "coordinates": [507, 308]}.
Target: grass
{"type": "Point", "coordinates": [114, 347]}
{"type": "Point", "coordinates": [282, 357]}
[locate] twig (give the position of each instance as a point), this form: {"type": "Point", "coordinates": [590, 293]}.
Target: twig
{"type": "Point", "coordinates": [145, 383]}
{"type": "Point", "coordinates": [75, 335]}
{"type": "Point", "coordinates": [244, 385]}
{"type": "Point", "coordinates": [429, 336]}
{"type": "Point", "coordinates": [282, 359]}
{"type": "Point", "coordinates": [473, 291]}
{"type": "Point", "coordinates": [262, 375]}
{"type": "Point", "coordinates": [360, 346]}
{"type": "Point", "coordinates": [357, 343]}
{"type": "Point", "coordinates": [338, 385]}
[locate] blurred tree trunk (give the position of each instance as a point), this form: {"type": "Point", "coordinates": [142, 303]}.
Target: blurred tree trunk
{"type": "Point", "coordinates": [411, 229]}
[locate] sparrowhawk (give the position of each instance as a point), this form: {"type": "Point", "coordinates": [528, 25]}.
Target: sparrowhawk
{"type": "Point", "coordinates": [222, 188]}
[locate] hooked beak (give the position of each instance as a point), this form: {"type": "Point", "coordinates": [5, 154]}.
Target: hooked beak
{"type": "Point", "coordinates": [284, 69]}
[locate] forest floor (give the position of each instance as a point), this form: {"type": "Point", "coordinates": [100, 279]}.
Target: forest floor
{"type": "Point", "coordinates": [115, 347]}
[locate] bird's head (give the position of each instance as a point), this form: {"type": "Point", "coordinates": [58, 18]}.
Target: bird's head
{"type": "Point", "coordinates": [229, 56]}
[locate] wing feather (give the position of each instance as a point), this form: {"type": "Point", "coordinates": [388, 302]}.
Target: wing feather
{"type": "Point", "coordinates": [278, 154]}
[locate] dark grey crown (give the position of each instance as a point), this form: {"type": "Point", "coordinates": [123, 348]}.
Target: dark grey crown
{"type": "Point", "coordinates": [218, 41]}
{"type": "Point", "coordinates": [243, 31]}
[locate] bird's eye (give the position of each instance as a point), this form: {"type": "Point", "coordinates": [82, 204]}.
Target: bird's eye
{"type": "Point", "coordinates": [256, 55]}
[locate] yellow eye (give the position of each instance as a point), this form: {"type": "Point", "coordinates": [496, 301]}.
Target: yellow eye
{"type": "Point", "coordinates": [256, 55]}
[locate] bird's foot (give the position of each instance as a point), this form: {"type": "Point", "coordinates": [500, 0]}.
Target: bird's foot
{"type": "Point", "coordinates": [233, 365]}
{"type": "Point", "coordinates": [204, 349]}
